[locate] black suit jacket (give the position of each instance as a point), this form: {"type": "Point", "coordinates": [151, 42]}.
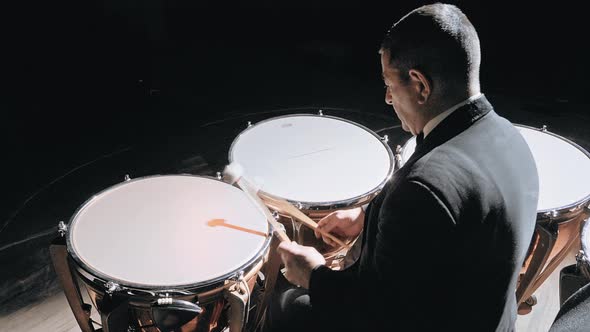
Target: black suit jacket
{"type": "Point", "coordinates": [445, 240]}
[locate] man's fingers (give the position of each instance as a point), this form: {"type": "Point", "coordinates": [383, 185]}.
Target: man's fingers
{"type": "Point", "coordinates": [329, 241]}
{"type": "Point", "coordinates": [328, 224]}
{"type": "Point", "coordinates": [328, 227]}
{"type": "Point", "coordinates": [285, 251]}
{"type": "Point", "coordinates": [289, 248]}
{"type": "Point", "coordinates": [325, 220]}
{"type": "Point", "coordinates": [284, 246]}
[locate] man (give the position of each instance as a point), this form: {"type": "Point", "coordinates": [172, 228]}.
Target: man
{"type": "Point", "coordinates": [444, 241]}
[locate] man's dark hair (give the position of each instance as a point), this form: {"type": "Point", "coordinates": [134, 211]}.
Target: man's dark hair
{"type": "Point", "coordinates": [438, 40]}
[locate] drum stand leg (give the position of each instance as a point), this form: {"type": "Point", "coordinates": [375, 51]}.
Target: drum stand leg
{"type": "Point", "coordinates": [271, 271]}
{"type": "Point", "coordinates": [59, 258]}
{"type": "Point", "coordinates": [237, 298]}
{"type": "Point", "coordinates": [543, 242]}
{"type": "Point", "coordinates": [298, 234]}
{"type": "Point", "coordinates": [114, 314]}
{"type": "Point", "coordinates": [568, 235]}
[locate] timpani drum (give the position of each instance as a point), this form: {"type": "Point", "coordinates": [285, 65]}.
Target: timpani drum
{"type": "Point", "coordinates": [318, 163]}
{"type": "Point", "coordinates": [564, 195]}
{"type": "Point", "coordinates": [174, 251]}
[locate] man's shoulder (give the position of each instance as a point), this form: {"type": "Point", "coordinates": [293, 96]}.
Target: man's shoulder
{"type": "Point", "coordinates": [444, 161]}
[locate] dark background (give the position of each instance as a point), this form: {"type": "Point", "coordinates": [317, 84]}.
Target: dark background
{"type": "Point", "coordinates": [98, 89]}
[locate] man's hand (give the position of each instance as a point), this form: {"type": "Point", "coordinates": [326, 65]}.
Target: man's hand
{"type": "Point", "coordinates": [345, 223]}
{"type": "Point", "coordinates": [299, 262]}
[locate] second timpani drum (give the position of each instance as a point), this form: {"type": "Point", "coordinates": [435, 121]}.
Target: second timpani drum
{"type": "Point", "coordinates": [318, 163]}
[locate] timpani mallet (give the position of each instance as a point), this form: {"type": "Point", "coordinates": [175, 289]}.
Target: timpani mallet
{"type": "Point", "coordinates": [233, 173]}
{"type": "Point", "coordinates": [285, 206]}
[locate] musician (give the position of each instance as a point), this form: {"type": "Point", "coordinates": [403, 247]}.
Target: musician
{"type": "Point", "coordinates": [444, 241]}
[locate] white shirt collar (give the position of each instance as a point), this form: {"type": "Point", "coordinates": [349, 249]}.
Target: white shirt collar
{"type": "Point", "coordinates": [439, 118]}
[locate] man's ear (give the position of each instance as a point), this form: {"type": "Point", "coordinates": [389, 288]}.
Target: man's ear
{"type": "Point", "coordinates": [422, 84]}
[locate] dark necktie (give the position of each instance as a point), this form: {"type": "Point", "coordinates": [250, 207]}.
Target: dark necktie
{"type": "Point", "coordinates": [419, 138]}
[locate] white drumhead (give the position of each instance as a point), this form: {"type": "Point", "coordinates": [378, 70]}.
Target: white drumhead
{"type": "Point", "coordinates": [308, 158]}
{"type": "Point", "coordinates": [562, 167]}
{"type": "Point", "coordinates": [167, 230]}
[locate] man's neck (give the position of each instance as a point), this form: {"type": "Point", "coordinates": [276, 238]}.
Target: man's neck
{"type": "Point", "coordinates": [441, 115]}
{"type": "Point", "coordinates": [450, 99]}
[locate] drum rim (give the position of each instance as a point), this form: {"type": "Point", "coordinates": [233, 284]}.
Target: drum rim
{"type": "Point", "coordinates": [92, 274]}
{"type": "Point", "coordinates": [556, 211]}
{"type": "Point", "coordinates": [331, 205]}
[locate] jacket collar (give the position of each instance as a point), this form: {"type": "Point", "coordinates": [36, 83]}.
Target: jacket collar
{"type": "Point", "coordinates": [453, 125]}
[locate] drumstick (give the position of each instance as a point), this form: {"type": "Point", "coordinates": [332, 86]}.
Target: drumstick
{"type": "Point", "coordinates": [287, 207]}
{"type": "Point", "coordinates": [233, 174]}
